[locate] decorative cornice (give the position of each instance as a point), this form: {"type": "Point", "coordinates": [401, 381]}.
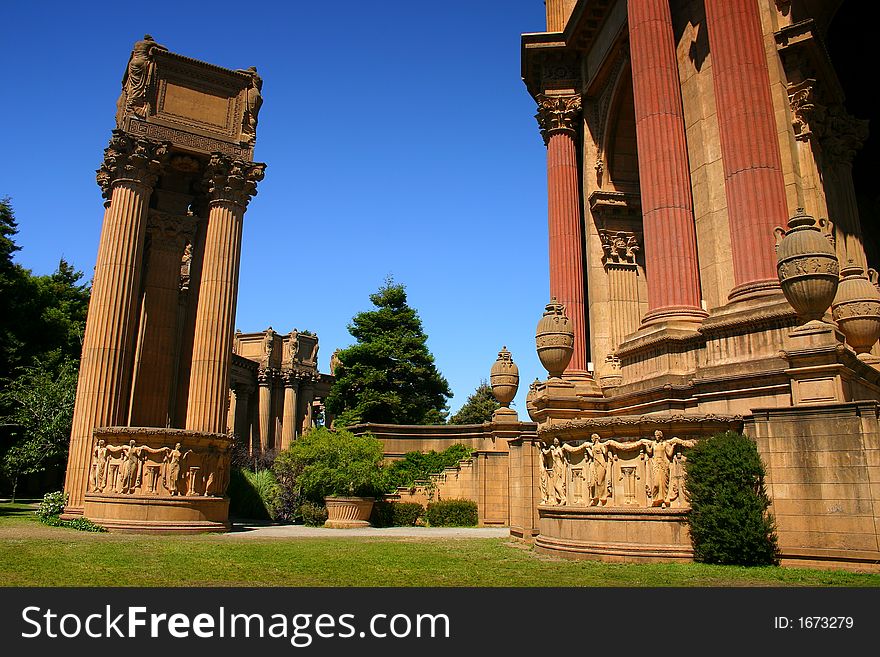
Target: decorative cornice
{"type": "Point", "coordinates": [558, 114]}
{"type": "Point", "coordinates": [131, 159]}
{"type": "Point", "coordinates": [645, 422]}
{"type": "Point", "coordinates": [231, 180]}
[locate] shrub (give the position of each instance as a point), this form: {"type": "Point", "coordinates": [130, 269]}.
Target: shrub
{"type": "Point", "coordinates": [453, 513]}
{"type": "Point", "coordinates": [396, 514]}
{"type": "Point", "coordinates": [313, 515]}
{"type": "Point", "coordinates": [325, 463]}
{"type": "Point", "coordinates": [50, 509]}
{"type": "Point", "coordinates": [729, 519]}
{"type": "Point", "coordinates": [415, 466]}
{"type": "Point", "coordinates": [52, 504]}
{"type": "Point", "coordinates": [253, 495]}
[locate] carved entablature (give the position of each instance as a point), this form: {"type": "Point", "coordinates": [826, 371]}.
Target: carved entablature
{"type": "Point", "coordinates": [634, 472]}
{"type": "Point", "coordinates": [558, 114]}
{"type": "Point", "coordinates": [193, 104]}
{"type": "Point", "coordinates": [131, 159]}
{"type": "Point", "coordinates": [230, 180]}
{"type": "Point", "coordinates": [187, 466]}
{"type": "Point", "coordinates": [171, 232]}
{"type": "Point", "coordinates": [618, 247]}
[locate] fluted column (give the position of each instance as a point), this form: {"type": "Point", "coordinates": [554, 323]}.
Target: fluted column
{"type": "Point", "coordinates": [154, 372]}
{"type": "Point", "coordinates": [288, 420]}
{"type": "Point", "coordinates": [558, 12]}
{"type": "Point", "coordinates": [264, 384]}
{"type": "Point", "coordinates": [127, 177]}
{"type": "Point", "coordinates": [558, 117]}
{"type": "Point", "coordinates": [307, 396]}
{"type": "Point", "coordinates": [671, 265]}
{"type": "Point", "coordinates": [754, 182]}
{"type": "Point", "coordinates": [230, 184]}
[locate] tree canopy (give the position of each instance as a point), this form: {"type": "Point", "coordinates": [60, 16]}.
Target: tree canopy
{"type": "Point", "coordinates": [478, 408]}
{"type": "Point", "coordinates": [389, 375]}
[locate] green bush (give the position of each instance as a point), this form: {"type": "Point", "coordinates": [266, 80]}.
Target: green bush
{"type": "Point", "coordinates": [325, 463]}
{"type": "Point", "coordinates": [313, 515]}
{"type": "Point", "coordinates": [253, 495]}
{"type": "Point", "coordinates": [415, 466]}
{"type": "Point", "coordinates": [453, 513]}
{"type": "Point", "coordinates": [729, 519]}
{"type": "Point", "coordinates": [52, 504]}
{"type": "Point", "coordinates": [396, 514]}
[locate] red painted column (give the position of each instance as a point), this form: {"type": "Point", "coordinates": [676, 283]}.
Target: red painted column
{"type": "Point", "coordinates": [558, 117]}
{"type": "Point", "coordinates": [753, 176]}
{"type": "Point", "coordinates": [671, 264]}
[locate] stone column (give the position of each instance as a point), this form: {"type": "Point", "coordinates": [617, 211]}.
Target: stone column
{"type": "Point", "coordinates": [558, 117]}
{"type": "Point", "coordinates": [288, 421]}
{"type": "Point", "coordinates": [264, 383]}
{"type": "Point", "coordinates": [558, 12]}
{"type": "Point", "coordinates": [154, 372]}
{"type": "Point", "coordinates": [754, 182]}
{"type": "Point", "coordinates": [127, 177]}
{"type": "Point", "coordinates": [307, 390]}
{"type": "Point", "coordinates": [231, 183]}
{"type": "Point", "coordinates": [671, 265]}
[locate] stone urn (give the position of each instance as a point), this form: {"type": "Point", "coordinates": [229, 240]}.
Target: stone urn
{"type": "Point", "coordinates": [554, 339]}
{"type": "Point", "coordinates": [348, 512]}
{"type": "Point", "coordinates": [504, 378]}
{"type": "Point", "coordinates": [856, 309]}
{"type": "Point", "coordinates": [807, 267]}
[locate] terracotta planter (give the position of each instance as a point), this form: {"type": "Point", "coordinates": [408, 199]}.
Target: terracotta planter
{"type": "Point", "coordinates": [504, 377]}
{"type": "Point", "coordinates": [856, 309]}
{"type": "Point", "coordinates": [807, 267]}
{"type": "Point", "coordinates": [554, 339]}
{"type": "Point", "coordinates": [348, 512]}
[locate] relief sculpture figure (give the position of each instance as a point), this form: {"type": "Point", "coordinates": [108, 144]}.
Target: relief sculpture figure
{"type": "Point", "coordinates": [101, 456]}
{"type": "Point", "coordinates": [174, 458]}
{"type": "Point", "coordinates": [131, 470]}
{"type": "Point", "coordinates": [661, 452]}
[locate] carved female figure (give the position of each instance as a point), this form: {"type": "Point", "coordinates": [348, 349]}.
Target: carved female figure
{"type": "Point", "coordinates": [546, 467]}
{"type": "Point", "coordinates": [661, 452]}
{"type": "Point", "coordinates": [175, 458]}
{"type": "Point", "coordinates": [101, 456]}
{"type": "Point", "coordinates": [558, 455]}
{"type": "Point", "coordinates": [138, 76]}
{"type": "Point", "coordinates": [132, 462]}
{"type": "Point", "coordinates": [599, 466]}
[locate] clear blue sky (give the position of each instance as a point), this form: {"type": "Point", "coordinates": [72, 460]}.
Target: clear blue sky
{"type": "Point", "coordinates": [399, 140]}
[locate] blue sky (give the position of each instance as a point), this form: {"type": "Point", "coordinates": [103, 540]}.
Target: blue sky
{"type": "Point", "coordinates": [399, 140]}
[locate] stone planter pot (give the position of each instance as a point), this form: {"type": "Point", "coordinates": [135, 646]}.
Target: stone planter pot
{"type": "Point", "coordinates": [807, 267]}
{"type": "Point", "coordinates": [856, 309]}
{"type": "Point", "coordinates": [504, 378]}
{"type": "Point", "coordinates": [554, 339]}
{"type": "Point", "coordinates": [348, 512]}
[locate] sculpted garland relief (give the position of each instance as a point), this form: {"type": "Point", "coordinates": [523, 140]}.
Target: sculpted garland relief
{"type": "Point", "coordinates": [133, 469]}
{"type": "Point", "coordinates": [646, 472]}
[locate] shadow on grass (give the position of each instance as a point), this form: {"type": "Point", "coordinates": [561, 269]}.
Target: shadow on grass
{"type": "Point", "coordinates": [19, 508]}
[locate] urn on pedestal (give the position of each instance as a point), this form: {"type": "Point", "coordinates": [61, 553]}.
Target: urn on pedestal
{"type": "Point", "coordinates": [504, 377]}
{"type": "Point", "coordinates": [807, 267]}
{"type": "Point", "coordinates": [856, 309]}
{"type": "Point", "coordinates": [554, 339]}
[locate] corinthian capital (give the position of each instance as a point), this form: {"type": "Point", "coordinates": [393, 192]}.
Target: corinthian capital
{"type": "Point", "coordinates": [558, 114]}
{"type": "Point", "coordinates": [131, 159]}
{"type": "Point", "coordinates": [169, 232]}
{"type": "Point", "coordinates": [230, 180]}
{"type": "Point", "coordinates": [843, 135]}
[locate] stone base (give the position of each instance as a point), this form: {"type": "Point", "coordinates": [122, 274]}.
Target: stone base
{"type": "Point", "coordinates": [614, 533]}
{"type": "Point", "coordinates": [158, 514]}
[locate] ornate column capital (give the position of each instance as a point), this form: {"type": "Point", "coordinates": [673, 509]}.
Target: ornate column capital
{"type": "Point", "coordinates": [842, 135]}
{"type": "Point", "coordinates": [619, 247]}
{"type": "Point", "coordinates": [265, 376]}
{"type": "Point", "coordinates": [231, 180]}
{"type": "Point", "coordinates": [170, 232]}
{"type": "Point", "coordinates": [558, 114]}
{"type": "Point", "coordinates": [131, 159]}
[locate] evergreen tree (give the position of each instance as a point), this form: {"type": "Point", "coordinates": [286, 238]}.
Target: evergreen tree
{"type": "Point", "coordinates": [729, 521]}
{"type": "Point", "coordinates": [389, 376]}
{"type": "Point", "coordinates": [478, 408]}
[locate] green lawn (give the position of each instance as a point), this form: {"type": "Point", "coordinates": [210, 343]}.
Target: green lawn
{"type": "Point", "coordinates": [32, 554]}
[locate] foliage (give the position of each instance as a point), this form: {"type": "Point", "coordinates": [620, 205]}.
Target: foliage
{"type": "Point", "coordinates": [288, 502]}
{"type": "Point", "coordinates": [453, 513]}
{"type": "Point", "coordinates": [40, 402]}
{"type": "Point", "coordinates": [50, 509]}
{"type": "Point", "coordinates": [416, 466]}
{"type": "Point", "coordinates": [396, 514]}
{"type": "Point", "coordinates": [324, 463]}
{"type": "Point", "coordinates": [478, 408]}
{"type": "Point", "coordinates": [389, 376]}
{"type": "Point", "coordinates": [252, 495]}
{"type": "Point", "coordinates": [729, 519]}
{"type": "Point", "coordinates": [313, 515]}
{"type": "Point", "coordinates": [52, 504]}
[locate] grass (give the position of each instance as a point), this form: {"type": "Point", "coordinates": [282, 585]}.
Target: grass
{"type": "Point", "coordinates": [32, 554]}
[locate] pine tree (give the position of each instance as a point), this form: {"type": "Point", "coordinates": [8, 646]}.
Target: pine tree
{"type": "Point", "coordinates": [389, 376]}
{"type": "Point", "coordinates": [478, 408]}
